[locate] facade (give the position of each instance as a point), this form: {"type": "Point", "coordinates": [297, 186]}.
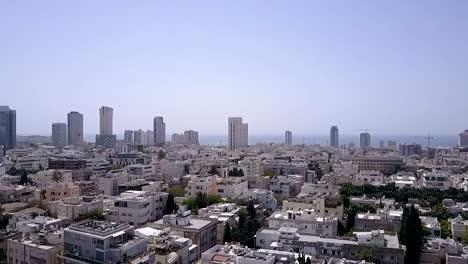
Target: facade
{"type": "Point", "coordinates": [75, 128]}
{"type": "Point", "coordinates": [436, 179]}
{"type": "Point", "coordinates": [236, 254]}
{"type": "Point", "coordinates": [109, 184]}
{"type": "Point", "coordinates": [159, 129]}
{"type": "Point", "coordinates": [38, 247]}
{"type": "Point", "coordinates": [334, 137]}
{"type": "Point", "coordinates": [232, 187]}
{"type": "Point", "coordinates": [60, 191]}
{"type": "Point", "coordinates": [138, 207]}
{"type": "Point", "coordinates": [306, 221]}
{"type": "Point", "coordinates": [201, 184]}
{"type": "Point", "coordinates": [365, 140]}
{"type": "Point", "coordinates": [288, 138]}
{"type": "Point", "coordinates": [191, 137]}
{"type": "Point", "coordinates": [149, 137]}
{"type": "Point", "coordinates": [47, 178]}
{"type": "Point", "coordinates": [59, 134]}
{"type": "Point", "coordinates": [101, 242]}
{"type": "Point", "coordinates": [238, 133]}
{"type": "Point", "coordinates": [386, 165]}
{"type": "Point", "coordinates": [369, 177]}
{"type": "Point", "coordinates": [410, 149]}
{"type": "Point", "coordinates": [286, 186]}
{"type": "Point", "coordinates": [74, 207]}
{"type": "Point", "coordinates": [264, 197]}
{"type": "Point", "coordinates": [463, 139]}
{"type": "Point", "coordinates": [128, 136]}
{"type": "Point", "coordinates": [201, 231]}
{"type": "Point", "coordinates": [106, 120]}
{"type": "Point", "coordinates": [138, 137]}
{"type": "Point", "coordinates": [7, 128]}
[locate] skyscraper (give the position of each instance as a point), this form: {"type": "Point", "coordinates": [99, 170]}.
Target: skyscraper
{"type": "Point", "coordinates": [75, 128]}
{"type": "Point", "coordinates": [59, 134]}
{"type": "Point", "coordinates": [105, 137]}
{"type": "Point", "coordinates": [105, 117]}
{"type": "Point", "coordinates": [365, 140]}
{"type": "Point", "coordinates": [191, 137]}
{"type": "Point", "coordinates": [159, 128]}
{"type": "Point", "coordinates": [463, 139]}
{"type": "Point", "coordinates": [149, 137]}
{"type": "Point", "coordinates": [137, 137]}
{"type": "Point", "coordinates": [238, 133]}
{"type": "Point", "coordinates": [334, 137]}
{"type": "Point", "coordinates": [7, 128]}
{"type": "Point", "coordinates": [288, 138]}
{"type": "Point", "coordinates": [128, 136]}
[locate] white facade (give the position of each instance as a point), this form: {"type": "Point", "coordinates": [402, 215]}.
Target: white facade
{"type": "Point", "coordinates": [73, 207]}
{"type": "Point", "coordinates": [201, 184]}
{"type": "Point", "coordinates": [306, 221]}
{"type": "Point", "coordinates": [105, 120]}
{"type": "Point", "coordinates": [232, 187]}
{"type": "Point", "coordinates": [238, 133]}
{"type": "Point", "coordinates": [109, 184]}
{"type": "Point", "coordinates": [59, 134]}
{"type": "Point", "coordinates": [436, 179]}
{"type": "Point", "coordinates": [264, 197]}
{"type": "Point", "coordinates": [369, 177]}
{"type": "Point", "coordinates": [288, 138]}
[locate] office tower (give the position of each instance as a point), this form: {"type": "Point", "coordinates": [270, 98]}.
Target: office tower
{"type": "Point", "coordinates": [105, 137]}
{"type": "Point", "coordinates": [144, 139]}
{"type": "Point", "coordinates": [288, 138]}
{"type": "Point", "coordinates": [149, 137]}
{"type": "Point", "coordinates": [137, 137]}
{"type": "Point", "coordinates": [105, 120]}
{"type": "Point", "coordinates": [128, 136]}
{"type": "Point", "coordinates": [159, 128]}
{"type": "Point", "coordinates": [334, 137]}
{"type": "Point", "coordinates": [238, 133]}
{"type": "Point", "coordinates": [59, 134]}
{"type": "Point", "coordinates": [7, 128]}
{"type": "Point", "coordinates": [191, 137]}
{"type": "Point", "coordinates": [463, 139]}
{"type": "Point", "coordinates": [365, 140]}
{"type": "Point", "coordinates": [75, 128]}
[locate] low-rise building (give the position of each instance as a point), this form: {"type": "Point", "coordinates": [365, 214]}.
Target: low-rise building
{"type": "Point", "coordinates": [222, 213]}
{"type": "Point", "coordinates": [436, 179]}
{"type": "Point", "coordinates": [369, 177]}
{"type": "Point", "coordinates": [231, 187]}
{"type": "Point", "coordinates": [201, 184]}
{"type": "Point", "coordinates": [235, 254]}
{"type": "Point", "coordinates": [264, 197]}
{"type": "Point", "coordinates": [286, 186]}
{"type": "Point", "coordinates": [138, 207]}
{"type": "Point", "coordinates": [38, 247]}
{"type": "Point", "coordinates": [61, 191]}
{"type": "Point", "coordinates": [306, 222]}
{"type": "Point", "coordinates": [47, 178]}
{"type": "Point", "coordinates": [109, 184]}
{"type": "Point", "coordinates": [74, 207]}
{"type": "Point", "coordinates": [458, 226]}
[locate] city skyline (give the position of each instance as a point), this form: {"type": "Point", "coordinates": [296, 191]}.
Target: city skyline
{"type": "Point", "coordinates": [350, 69]}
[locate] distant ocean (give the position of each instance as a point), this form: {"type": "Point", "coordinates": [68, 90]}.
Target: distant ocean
{"type": "Point", "coordinates": [438, 141]}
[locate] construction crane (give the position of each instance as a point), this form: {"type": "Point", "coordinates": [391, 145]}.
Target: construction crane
{"type": "Point", "coordinates": [429, 139]}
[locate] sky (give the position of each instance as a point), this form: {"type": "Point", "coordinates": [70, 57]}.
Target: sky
{"type": "Point", "coordinates": [390, 66]}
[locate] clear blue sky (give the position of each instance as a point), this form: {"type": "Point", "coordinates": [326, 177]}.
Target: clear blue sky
{"type": "Point", "coordinates": [392, 66]}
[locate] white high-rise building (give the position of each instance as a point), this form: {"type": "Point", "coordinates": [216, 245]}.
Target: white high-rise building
{"type": "Point", "coordinates": [75, 128]}
{"type": "Point", "coordinates": [59, 134]}
{"type": "Point", "coordinates": [288, 138]}
{"type": "Point", "coordinates": [159, 128]}
{"type": "Point", "coordinates": [334, 137]}
{"type": "Point", "coordinates": [463, 139]}
{"type": "Point", "coordinates": [105, 117]}
{"type": "Point", "coordinates": [238, 133]}
{"type": "Point", "coordinates": [138, 137]}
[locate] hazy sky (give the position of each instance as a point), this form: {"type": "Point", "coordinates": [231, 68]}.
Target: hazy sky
{"type": "Point", "coordinates": [391, 66]}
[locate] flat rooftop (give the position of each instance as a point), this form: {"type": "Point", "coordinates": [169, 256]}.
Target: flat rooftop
{"type": "Point", "coordinates": [101, 228]}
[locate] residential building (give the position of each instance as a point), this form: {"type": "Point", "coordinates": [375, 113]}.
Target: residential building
{"type": "Point", "coordinates": [169, 247]}
{"type": "Point", "coordinates": [306, 221]}
{"type": "Point", "coordinates": [109, 184]}
{"type": "Point", "coordinates": [159, 129]}
{"type": "Point", "coordinates": [191, 137]}
{"type": "Point", "coordinates": [75, 128]}
{"type": "Point", "coordinates": [365, 140]}
{"type": "Point", "coordinates": [47, 178]}
{"type": "Point", "coordinates": [138, 207]}
{"type": "Point", "coordinates": [369, 177]}
{"type": "Point", "coordinates": [59, 134]}
{"type": "Point", "coordinates": [286, 186]}
{"type": "Point", "coordinates": [436, 179]}
{"type": "Point", "coordinates": [138, 137]}
{"type": "Point", "coordinates": [459, 226]}
{"type": "Point", "coordinates": [386, 164]}
{"type": "Point", "coordinates": [232, 187]}
{"type": "Point", "coordinates": [128, 136]}
{"type": "Point", "coordinates": [7, 128]}
{"type": "Point", "coordinates": [102, 242]}
{"type": "Point", "coordinates": [264, 197]}
{"type": "Point", "coordinates": [37, 247]}
{"type": "Point", "coordinates": [238, 133]}
{"type": "Point", "coordinates": [60, 191]}
{"type": "Point", "coordinates": [149, 137]}
{"type": "Point", "coordinates": [288, 138]}
{"type": "Point", "coordinates": [223, 213]}
{"type": "Point", "coordinates": [201, 184]}
{"type": "Point", "coordinates": [74, 207]}
{"type": "Point", "coordinates": [202, 232]}
{"type": "Point", "coordinates": [236, 254]}
{"type": "Point", "coordinates": [463, 139]}
{"type": "Point", "coordinates": [334, 137]}
{"type": "Point", "coordinates": [145, 171]}
{"type": "Point", "coordinates": [126, 159]}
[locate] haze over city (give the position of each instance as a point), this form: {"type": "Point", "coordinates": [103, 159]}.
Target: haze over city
{"type": "Point", "coordinates": [394, 67]}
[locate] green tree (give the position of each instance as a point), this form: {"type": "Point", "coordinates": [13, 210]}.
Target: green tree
{"type": "Point", "coordinates": [161, 154]}
{"type": "Point", "coordinates": [177, 191]}
{"type": "Point", "coordinates": [445, 229]}
{"type": "Point", "coordinates": [242, 217]}
{"type": "Point", "coordinates": [412, 234]}
{"type": "Point", "coordinates": [3, 257]}
{"type": "Point", "coordinates": [227, 237]}
{"type": "Point", "coordinates": [213, 199]}
{"type": "Point", "coordinates": [465, 237]}
{"type": "Point", "coordinates": [368, 254]}
{"type": "Point", "coordinates": [171, 206]}
{"type": "Point", "coordinates": [24, 178]}
{"type": "Point", "coordinates": [57, 176]}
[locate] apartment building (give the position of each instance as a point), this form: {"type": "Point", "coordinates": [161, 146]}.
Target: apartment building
{"type": "Point", "coordinates": [369, 177]}
{"type": "Point", "coordinates": [436, 179]}
{"type": "Point", "coordinates": [235, 254]}
{"type": "Point", "coordinates": [264, 197]}
{"type": "Point", "coordinates": [37, 247]}
{"type": "Point", "coordinates": [223, 213]}
{"type": "Point", "coordinates": [73, 207]}
{"type": "Point", "coordinates": [109, 184]}
{"type": "Point", "coordinates": [61, 191]}
{"type": "Point", "coordinates": [386, 165]}
{"type": "Point", "coordinates": [306, 222]}
{"type": "Point", "coordinates": [231, 187]}
{"type": "Point", "coordinates": [44, 179]}
{"type": "Point", "coordinates": [286, 186]}
{"type": "Point", "coordinates": [201, 184]}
